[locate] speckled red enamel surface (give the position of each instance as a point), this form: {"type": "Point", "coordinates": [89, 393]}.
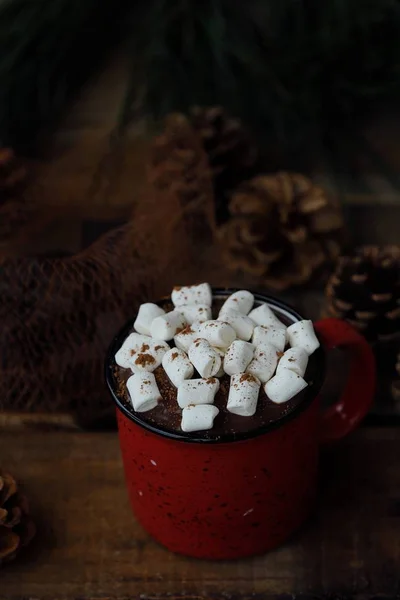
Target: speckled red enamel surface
{"type": "Point", "coordinates": [222, 501]}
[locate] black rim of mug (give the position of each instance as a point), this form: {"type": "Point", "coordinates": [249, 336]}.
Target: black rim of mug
{"type": "Point", "coordinates": [319, 358]}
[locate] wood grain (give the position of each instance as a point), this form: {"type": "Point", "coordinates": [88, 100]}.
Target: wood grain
{"type": "Point", "coordinates": [89, 545]}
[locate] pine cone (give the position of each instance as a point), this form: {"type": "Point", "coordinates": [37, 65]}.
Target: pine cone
{"type": "Point", "coordinates": [179, 167]}
{"type": "Point", "coordinates": [283, 229]}
{"type": "Point", "coordinates": [365, 290]}
{"type": "Point", "coordinates": [226, 141]}
{"type": "Point", "coordinates": [232, 154]}
{"type": "Point", "coordinates": [16, 527]}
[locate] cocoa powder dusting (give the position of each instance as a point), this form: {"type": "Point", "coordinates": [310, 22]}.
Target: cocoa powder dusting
{"type": "Point", "coordinates": [280, 354]}
{"type": "Point", "coordinates": [247, 377]}
{"type": "Point", "coordinates": [158, 348]}
{"type": "Point", "coordinates": [187, 330]}
{"type": "Point", "coordinates": [174, 355]}
{"type": "Point", "coordinates": [145, 359]}
{"type": "Point", "coordinates": [144, 348]}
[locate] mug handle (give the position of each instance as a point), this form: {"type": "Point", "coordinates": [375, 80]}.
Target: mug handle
{"type": "Point", "coordinates": [344, 416]}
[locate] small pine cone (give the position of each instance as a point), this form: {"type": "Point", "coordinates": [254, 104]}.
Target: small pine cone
{"type": "Point", "coordinates": [283, 229]}
{"type": "Point", "coordinates": [16, 527]}
{"type": "Point", "coordinates": [232, 154]}
{"type": "Point", "coordinates": [225, 140]}
{"type": "Point", "coordinates": [175, 158]}
{"type": "Point", "coordinates": [179, 167]}
{"type": "Point", "coordinates": [365, 290]}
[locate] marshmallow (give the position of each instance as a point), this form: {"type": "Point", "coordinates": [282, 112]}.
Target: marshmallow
{"type": "Point", "coordinates": [150, 349]}
{"type": "Point", "coordinates": [295, 359]}
{"type": "Point", "coordinates": [124, 356]}
{"type": "Point", "coordinates": [242, 325]}
{"type": "Point", "coordinates": [198, 418]}
{"type": "Point", "coordinates": [186, 337]}
{"type": "Point", "coordinates": [242, 301]}
{"type": "Point", "coordinates": [302, 334]}
{"type": "Point", "coordinates": [217, 333]}
{"type": "Point", "coordinates": [264, 362]}
{"type": "Point", "coordinates": [243, 394]}
{"type": "Point", "coordinates": [221, 352]}
{"type": "Point", "coordinates": [144, 392]}
{"type": "Point", "coordinates": [197, 391]}
{"type": "Point", "coordinates": [166, 326]}
{"type": "Point", "coordinates": [196, 313]}
{"type": "Point", "coordinates": [284, 386]}
{"type": "Point", "coordinates": [271, 335]}
{"type": "Point", "coordinates": [263, 315]}
{"type": "Point", "coordinates": [238, 357]}
{"type": "Point", "coordinates": [146, 314]}
{"type": "Point", "coordinates": [204, 358]}
{"type": "Point", "coordinates": [177, 366]}
{"type": "Point", "coordinates": [192, 294]}
{"type": "Point", "coordinates": [141, 353]}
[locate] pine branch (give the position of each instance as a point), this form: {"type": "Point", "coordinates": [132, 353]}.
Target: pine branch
{"type": "Point", "coordinates": [286, 68]}
{"type": "Point", "coordinates": [48, 49]}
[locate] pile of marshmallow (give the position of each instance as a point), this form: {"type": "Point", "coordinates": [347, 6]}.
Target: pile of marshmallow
{"type": "Point", "coordinates": [214, 348]}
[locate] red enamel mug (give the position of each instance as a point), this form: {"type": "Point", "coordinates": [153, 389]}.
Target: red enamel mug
{"type": "Point", "coordinates": [243, 494]}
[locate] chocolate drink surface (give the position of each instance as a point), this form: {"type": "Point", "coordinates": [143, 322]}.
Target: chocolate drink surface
{"type": "Point", "coordinates": [167, 414]}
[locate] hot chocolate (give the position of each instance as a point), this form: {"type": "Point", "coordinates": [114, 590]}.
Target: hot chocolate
{"type": "Point", "coordinates": [251, 364]}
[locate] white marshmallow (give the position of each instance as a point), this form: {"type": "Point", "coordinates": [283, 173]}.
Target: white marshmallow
{"type": "Point", "coordinates": [221, 352]}
{"type": "Point", "coordinates": [271, 335]}
{"type": "Point", "coordinates": [217, 333]}
{"type": "Point", "coordinates": [196, 313]}
{"type": "Point", "coordinates": [220, 373]}
{"type": "Point", "coordinates": [141, 353]}
{"type": "Point", "coordinates": [177, 366]}
{"type": "Point", "coordinates": [204, 358]}
{"type": "Point", "coordinates": [123, 357]}
{"type": "Point", "coordinates": [166, 326]}
{"type": "Point", "coordinates": [146, 314]}
{"type": "Point", "coordinates": [159, 347]}
{"type": "Point", "coordinates": [295, 359]}
{"type": "Point", "coordinates": [284, 386]}
{"type": "Point", "coordinates": [143, 390]}
{"type": "Point", "coordinates": [243, 394]}
{"type": "Point", "coordinates": [263, 315]}
{"type": "Point", "coordinates": [242, 301]}
{"type": "Point", "coordinates": [242, 325]}
{"type": "Point", "coordinates": [197, 391]}
{"type": "Point", "coordinates": [149, 356]}
{"type": "Point", "coordinates": [198, 418]}
{"type": "Point", "coordinates": [302, 334]}
{"type": "Point", "coordinates": [192, 294]}
{"type": "Point", "coordinates": [264, 362]}
{"type": "Point", "coordinates": [238, 357]}
{"type": "Point", "coordinates": [185, 338]}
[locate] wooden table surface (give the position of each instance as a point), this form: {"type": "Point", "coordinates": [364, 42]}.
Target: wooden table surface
{"type": "Point", "coordinates": [89, 545]}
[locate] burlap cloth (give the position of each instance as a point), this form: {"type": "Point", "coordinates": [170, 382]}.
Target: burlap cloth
{"type": "Point", "coordinates": [58, 315]}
